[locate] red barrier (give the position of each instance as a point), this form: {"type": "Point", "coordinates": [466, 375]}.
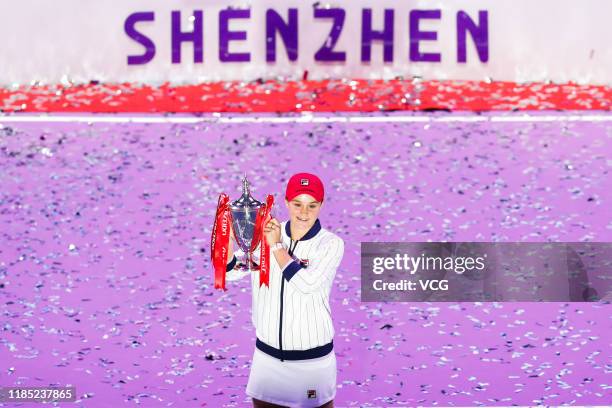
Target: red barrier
{"type": "Point", "coordinates": [315, 96]}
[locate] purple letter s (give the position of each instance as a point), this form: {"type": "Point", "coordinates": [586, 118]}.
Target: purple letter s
{"type": "Point", "coordinates": [146, 42]}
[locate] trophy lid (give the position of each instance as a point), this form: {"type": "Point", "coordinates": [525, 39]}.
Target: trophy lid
{"type": "Point", "coordinates": [246, 201]}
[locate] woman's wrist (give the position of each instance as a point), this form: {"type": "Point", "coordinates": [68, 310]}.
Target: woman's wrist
{"type": "Point", "coordinates": [276, 246]}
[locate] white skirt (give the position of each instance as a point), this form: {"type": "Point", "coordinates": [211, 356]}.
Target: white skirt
{"type": "Point", "coordinates": [299, 383]}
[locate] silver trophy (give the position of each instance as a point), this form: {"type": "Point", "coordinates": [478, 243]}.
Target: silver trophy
{"type": "Point", "coordinates": [244, 214]}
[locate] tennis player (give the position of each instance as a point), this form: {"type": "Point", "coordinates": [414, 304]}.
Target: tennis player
{"type": "Point", "coordinates": [294, 363]}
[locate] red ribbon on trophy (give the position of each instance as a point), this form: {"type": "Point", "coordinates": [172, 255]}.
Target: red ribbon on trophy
{"type": "Point", "coordinates": [264, 249]}
{"type": "Point", "coordinates": [219, 240]}
{"type": "Point", "coordinates": [247, 218]}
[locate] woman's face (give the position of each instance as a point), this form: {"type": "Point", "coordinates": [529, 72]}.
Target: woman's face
{"type": "Point", "coordinates": [303, 211]}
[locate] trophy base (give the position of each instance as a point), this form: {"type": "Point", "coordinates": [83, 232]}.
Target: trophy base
{"type": "Point", "coordinates": [247, 267]}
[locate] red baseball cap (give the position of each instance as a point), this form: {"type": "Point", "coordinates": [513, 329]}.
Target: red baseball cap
{"type": "Point", "coordinates": [305, 183]}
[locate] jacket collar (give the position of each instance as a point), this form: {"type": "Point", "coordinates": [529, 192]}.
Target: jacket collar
{"type": "Point", "coordinates": [314, 230]}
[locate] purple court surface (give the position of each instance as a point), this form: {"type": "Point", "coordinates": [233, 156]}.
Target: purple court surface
{"type": "Point", "coordinates": [106, 284]}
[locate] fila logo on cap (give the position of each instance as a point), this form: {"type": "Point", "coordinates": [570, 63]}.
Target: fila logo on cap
{"type": "Point", "coordinates": [304, 182]}
{"type": "Point", "coordinates": [311, 394]}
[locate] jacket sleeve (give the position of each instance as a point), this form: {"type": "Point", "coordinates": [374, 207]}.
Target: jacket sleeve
{"type": "Point", "coordinates": [321, 270]}
{"type": "Point", "coordinates": [231, 264]}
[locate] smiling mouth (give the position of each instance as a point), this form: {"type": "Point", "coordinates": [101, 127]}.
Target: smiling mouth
{"type": "Point", "coordinates": [301, 219]}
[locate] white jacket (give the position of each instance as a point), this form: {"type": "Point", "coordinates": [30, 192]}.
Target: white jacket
{"type": "Point", "coordinates": [298, 295]}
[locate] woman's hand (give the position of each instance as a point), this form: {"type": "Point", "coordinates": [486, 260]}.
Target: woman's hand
{"type": "Point", "coordinates": [272, 231]}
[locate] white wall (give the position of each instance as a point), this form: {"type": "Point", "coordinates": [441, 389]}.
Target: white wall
{"type": "Point", "coordinates": [80, 40]}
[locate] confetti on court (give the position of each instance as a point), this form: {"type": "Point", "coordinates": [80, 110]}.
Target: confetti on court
{"type": "Point", "coordinates": [105, 281]}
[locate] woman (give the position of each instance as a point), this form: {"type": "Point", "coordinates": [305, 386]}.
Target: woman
{"type": "Point", "coordinates": [294, 363]}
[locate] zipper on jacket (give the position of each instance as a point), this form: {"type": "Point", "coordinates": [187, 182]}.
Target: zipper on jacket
{"type": "Point", "coordinates": [280, 323]}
